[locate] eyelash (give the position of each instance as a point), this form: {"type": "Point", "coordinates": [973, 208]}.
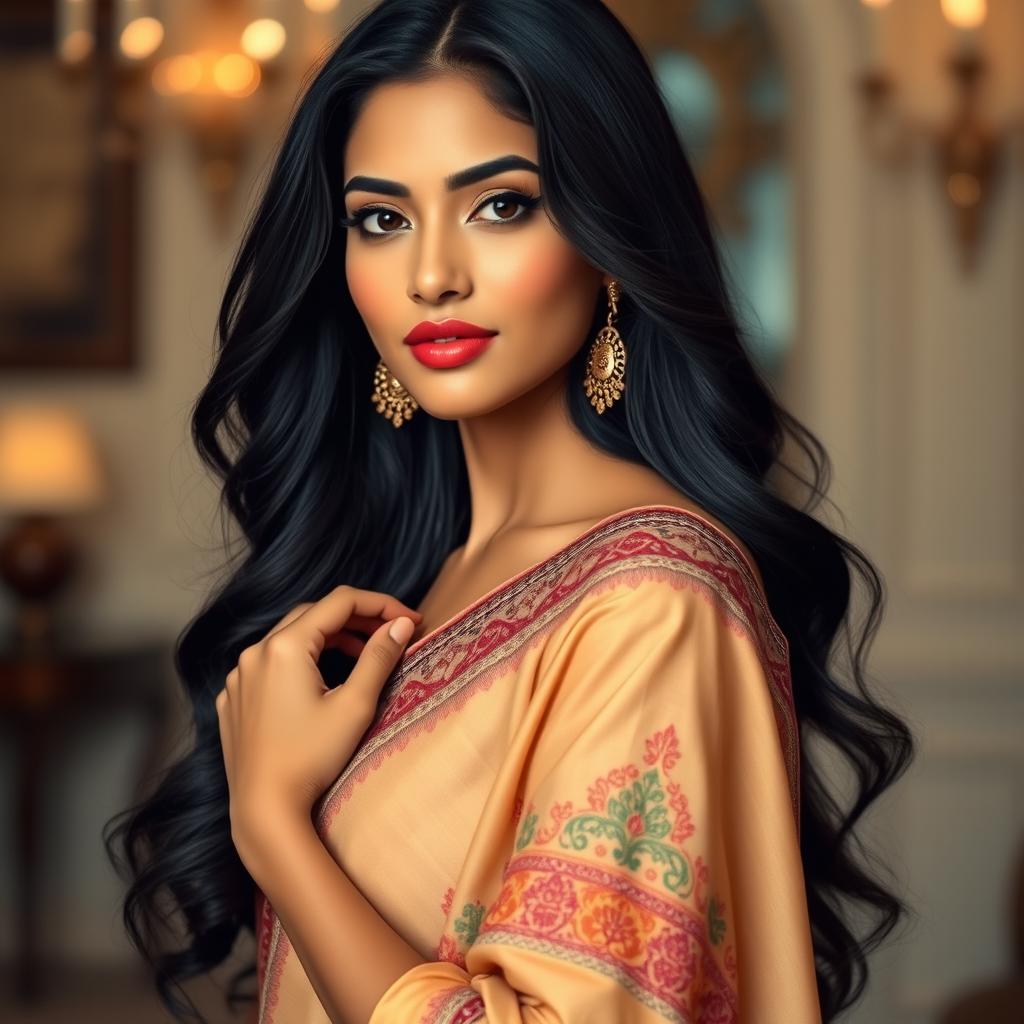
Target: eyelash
{"type": "Point", "coordinates": [358, 218]}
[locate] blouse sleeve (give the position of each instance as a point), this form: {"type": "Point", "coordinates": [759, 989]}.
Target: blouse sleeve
{"type": "Point", "coordinates": [655, 873]}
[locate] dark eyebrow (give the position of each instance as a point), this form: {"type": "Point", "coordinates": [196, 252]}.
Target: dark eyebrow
{"type": "Point", "coordinates": [453, 182]}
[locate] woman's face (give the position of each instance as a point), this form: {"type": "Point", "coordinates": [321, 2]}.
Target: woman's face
{"type": "Point", "coordinates": [433, 253]}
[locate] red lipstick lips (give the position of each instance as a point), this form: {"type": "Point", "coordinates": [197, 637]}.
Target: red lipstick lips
{"type": "Point", "coordinates": [429, 331]}
{"type": "Point", "coordinates": [467, 342]}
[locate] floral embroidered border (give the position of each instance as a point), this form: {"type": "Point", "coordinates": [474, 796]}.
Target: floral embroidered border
{"type": "Point", "coordinates": [655, 931]}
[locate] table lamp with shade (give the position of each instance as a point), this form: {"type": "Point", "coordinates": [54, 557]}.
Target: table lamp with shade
{"type": "Point", "coordinates": [49, 468]}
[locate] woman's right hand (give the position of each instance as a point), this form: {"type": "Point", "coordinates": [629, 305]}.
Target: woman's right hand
{"type": "Point", "coordinates": [352, 639]}
{"type": "Point", "coordinates": [285, 735]}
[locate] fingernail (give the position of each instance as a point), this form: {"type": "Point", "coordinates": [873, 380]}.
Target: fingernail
{"type": "Point", "coordinates": [401, 629]}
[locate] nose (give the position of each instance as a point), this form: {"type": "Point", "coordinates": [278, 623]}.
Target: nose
{"type": "Point", "coordinates": [438, 270]}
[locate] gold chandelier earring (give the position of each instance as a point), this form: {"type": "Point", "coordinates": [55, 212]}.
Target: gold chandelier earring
{"type": "Point", "coordinates": [390, 398]}
{"type": "Point", "coordinates": [606, 367]}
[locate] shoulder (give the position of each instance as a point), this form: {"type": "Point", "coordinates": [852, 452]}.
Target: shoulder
{"type": "Point", "coordinates": [659, 609]}
{"type": "Point", "coordinates": [630, 498]}
{"type": "Point", "coordinates": [659, 556]}
{"type": "Point", "coordinates": [690, 517]}
{"type": "Point", "coordinates": [662, 606]}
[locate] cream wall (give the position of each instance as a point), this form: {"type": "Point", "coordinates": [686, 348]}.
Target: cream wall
{"type": "Point", "coordinates": [908, 373]}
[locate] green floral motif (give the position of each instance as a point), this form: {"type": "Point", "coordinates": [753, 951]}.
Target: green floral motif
{"type": "Point", "coordinates": [716, 923]}
{"type": "Point", "coordinates": [637, 820]}
{"type": "Point", "coordinates": [468, 923]}
{"type": "Point", "coordinates": [526, 831]}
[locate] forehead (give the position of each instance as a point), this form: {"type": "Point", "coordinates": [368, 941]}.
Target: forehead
{"type": "Point", "coordinates": [424, 130]}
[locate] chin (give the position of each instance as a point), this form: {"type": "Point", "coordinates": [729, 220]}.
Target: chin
{"type": "Point", "coordinates": [465, 407]}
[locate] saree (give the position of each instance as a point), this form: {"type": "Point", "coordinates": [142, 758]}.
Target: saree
{"type": "Point", "coordinates": [579, 800]}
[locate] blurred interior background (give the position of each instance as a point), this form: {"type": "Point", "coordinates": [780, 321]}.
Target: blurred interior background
{"type": "Point", "coordinates": [864, 162]}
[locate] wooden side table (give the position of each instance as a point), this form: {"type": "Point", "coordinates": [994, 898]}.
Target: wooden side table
{"type": "Point", "coordinates": [43, 696]}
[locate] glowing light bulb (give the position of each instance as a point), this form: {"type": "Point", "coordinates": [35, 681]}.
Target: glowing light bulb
{"type": "Point", "coordinates": [965, 13]}
{"type": "Point", "coordinates": [264, 38]}
{"type": "Point", "coordinates": [140, 37]}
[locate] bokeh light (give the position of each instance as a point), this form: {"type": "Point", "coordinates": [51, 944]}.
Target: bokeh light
{"type": "Point", "coordinates": [236, 74]}
{"type": "Point", "coordinates": [264, 38]}
{"type": "Point", "coordinates": [177, 75]}
{"type": "Point", "coordinates": [141, 37]}
{"type": "Point", "coordinates": [965, 13]}
{"type": "Point", "coordinates": [77, 45]}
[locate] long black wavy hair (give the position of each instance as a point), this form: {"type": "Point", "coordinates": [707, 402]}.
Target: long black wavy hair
{"type": "Point", "coordinates": [286, 424]}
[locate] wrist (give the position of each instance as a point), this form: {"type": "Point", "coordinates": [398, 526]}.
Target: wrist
{"type": "Point", "coordinates": [262, 835]}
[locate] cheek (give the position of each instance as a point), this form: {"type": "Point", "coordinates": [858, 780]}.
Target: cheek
{"type": "Point", "coordinates": [553, 291]}
{"type": "Point", "coordinates": [544, 277]}
{"type": "Point", "coordinates": [368, 292]}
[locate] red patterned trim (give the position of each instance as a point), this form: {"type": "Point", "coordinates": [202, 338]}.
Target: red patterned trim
{"type": "Point", "coordinates": [278, 948]}
{"type": "Point", "coordinates": [458, 1005]}
{"type": "Point", "coordinates": [264, 920]}
{"type": "Point", "coordinates": [439, 673]}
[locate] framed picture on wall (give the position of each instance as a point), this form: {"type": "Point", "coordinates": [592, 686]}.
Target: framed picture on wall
{"type": "Point", "coordinates": [67, 202]}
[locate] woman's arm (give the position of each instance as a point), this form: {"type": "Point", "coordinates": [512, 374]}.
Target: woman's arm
{"type": "Point", "coordinates": [350, 954]}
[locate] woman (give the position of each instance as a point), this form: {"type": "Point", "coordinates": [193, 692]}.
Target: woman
{"type": "Point", "coordinates": [579, 792]}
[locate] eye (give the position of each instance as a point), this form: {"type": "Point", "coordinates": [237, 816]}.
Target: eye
{"type": "Point", "coordinates": [510, 199]}
{"type": "Point", "coordinates": [360, 218]}
{"type": "Point", "coordinates": [383, 215]}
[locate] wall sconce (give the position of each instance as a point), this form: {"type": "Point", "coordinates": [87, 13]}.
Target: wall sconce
{"type": "Point", "coordinates": [968, 150]}
{"type": "Point", "coordinates": [215, 85]}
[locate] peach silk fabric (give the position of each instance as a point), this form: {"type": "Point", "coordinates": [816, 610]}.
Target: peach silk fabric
{"type": "Point", "coordinates": [579, 800]}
